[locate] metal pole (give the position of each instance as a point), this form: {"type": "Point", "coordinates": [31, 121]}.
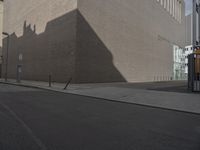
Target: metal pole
{"type": "Point", "coordinates": [194, 24]}
{"type": "Point", "coordinates": [198, 23]}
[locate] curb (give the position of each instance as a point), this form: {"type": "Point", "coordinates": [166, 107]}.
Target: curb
{"type": "Point", "coordinates": [22, 85]}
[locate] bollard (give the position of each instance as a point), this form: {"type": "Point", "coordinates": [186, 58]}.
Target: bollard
{"type": "Point", "coordinates": [50, 80]}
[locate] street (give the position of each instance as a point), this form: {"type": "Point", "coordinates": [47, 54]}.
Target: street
{"type": "Point", "coordinates": [33, 119]}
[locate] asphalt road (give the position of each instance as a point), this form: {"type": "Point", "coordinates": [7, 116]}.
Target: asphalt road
{"type": "Point", "coordinates": [32, 119]}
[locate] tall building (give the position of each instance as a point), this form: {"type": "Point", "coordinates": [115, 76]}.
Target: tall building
{"type": "Point", "coordinates": [189, 40]}
{"type": "Point", "coordinates": [188, 29]}
{"type": "Point", "coordinates": [94, 40]}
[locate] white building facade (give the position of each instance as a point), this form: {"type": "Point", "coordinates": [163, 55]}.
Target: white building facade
{"type": "Point", "coordinates": [188, 51]}
{"type": "Point", "coordinates": [179, 64]}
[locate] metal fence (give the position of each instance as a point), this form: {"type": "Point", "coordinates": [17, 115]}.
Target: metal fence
{"type": "Point", "coordinates": [194, 72]}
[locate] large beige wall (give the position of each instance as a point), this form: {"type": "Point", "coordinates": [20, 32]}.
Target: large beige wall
{"type": "Point", "coordinates": [92, 40]}
{"type": "Point", "coordinates": [139, 34]}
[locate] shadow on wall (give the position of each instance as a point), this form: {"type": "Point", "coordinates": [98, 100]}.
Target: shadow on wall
{"type": "Point", "coordinates": [51, 52]}
{"type": "Point", "coordinates": [68, 47]}
{"type": "Point", "coordinates": [94, 61]}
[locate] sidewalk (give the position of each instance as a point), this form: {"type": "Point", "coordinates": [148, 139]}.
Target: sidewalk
{"type": "Point", "coordinates": [168, 95]}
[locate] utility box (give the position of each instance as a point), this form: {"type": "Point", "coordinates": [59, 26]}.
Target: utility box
{"type": "Point", "coordinates": [194, 71]}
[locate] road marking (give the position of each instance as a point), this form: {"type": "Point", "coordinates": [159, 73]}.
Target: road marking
{"type": "Point", "coordinates": [30, 132]}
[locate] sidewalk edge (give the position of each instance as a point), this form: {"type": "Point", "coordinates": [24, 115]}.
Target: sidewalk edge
{"type": "Point", "coordinates": [111, 100]}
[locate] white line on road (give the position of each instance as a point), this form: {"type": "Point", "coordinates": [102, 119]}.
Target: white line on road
{"type": "Point", "coordinates": [30, 132]}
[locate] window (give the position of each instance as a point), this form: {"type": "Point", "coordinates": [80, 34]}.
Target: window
{"type": "Point", "coordinates": [177, 10]}
{"type": "Point", "coordinates": [168, 5]}
{"type": "Point", "coordinates": [174, 7]}
{"type": "Point", "coordinates": [171, 7]}
{"type": "Point", "coordinates": [180, 12]}
{"type": "Point", "coordinates": [161, 2]}
{"type": "Point", "coordinates": [165, 4]}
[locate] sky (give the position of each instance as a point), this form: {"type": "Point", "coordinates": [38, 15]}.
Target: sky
{"type": "Point", "coordinates": [188, 4]}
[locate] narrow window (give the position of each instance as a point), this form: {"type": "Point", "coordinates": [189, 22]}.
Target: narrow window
{"type": "Point", "coordinates": [161, 2]}
{"type": "Point", "coordinates": [180, 12]}
{"type": "Point", "coordinates": [171, 7]}
{"type": "Point", "coordinates": [176, 9]}
{"type": "Point", "coordinates": [165, 4]}
{"type": "Point", "coordinates": [168, 5]}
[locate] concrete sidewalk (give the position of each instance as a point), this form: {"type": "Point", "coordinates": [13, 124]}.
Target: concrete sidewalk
{"type": "Point", "coordinates": [150, 94]}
